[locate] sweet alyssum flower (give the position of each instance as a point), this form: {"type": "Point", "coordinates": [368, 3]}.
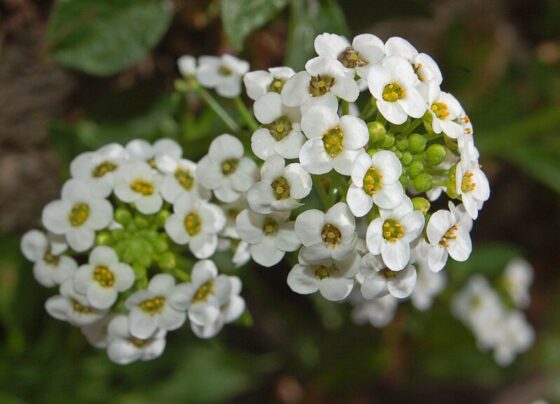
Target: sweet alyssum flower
{"type": "Point", "coordinates": [391, 234]}
{"type": "Point", "coordinates": [269, 236]}
{"type": "Point", "coordinates": [375, 180]}
{"type": "Point", "coordinates": [187, 66]}
{"type": "Point", "coordinates": [196, 223]}
{"type": "Point", "coordinates": [225, 171]}
{"type": "Point", "coordinates": [377, 280]}
{"type": "Point", "coordinates": [77, 215]}
{"type": "Point", "coordinates": [180, 178]}
{"type": "Point", "coordinates": [222, 74]}
{"type": "Point", "coordinates": [334, 141]}
{"type": "Point", "coordinates": [445, 111]}
{"type": "Point", "coordinates": [138, 184]}
{"type": "Point", "coordinates": [103, 278]}
{"type": "Point", "coordinates": [377, 312]}
{"type": "Point", "coordinates": [280, 132]}
{"type": "Point", "coordinates": [50, 266]}
{"type": "Point", "coordinates": [281, 187]}
{"type": "Point", "coordinates": [515, 336]}
{"type": "Point", "coordinates": [428, 285]}
{"type": "Point", "coordinates": [517, 279]}
{"type": "Point", "coordinates": [472, 186]}
{"type": "Point", "coordinates": [97, 168]}
{"type": "Point", "coordinates": [260, 82]}
{"type": "Point", "coordinates": [140, 149]}
{"type": "Point", "coordinates": [326, 235]}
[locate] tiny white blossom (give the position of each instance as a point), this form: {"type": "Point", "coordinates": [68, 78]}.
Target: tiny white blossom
{"type": "Point", "coordinates": [140, 149]}
{"type": "Point", "coordinates": [124, 348]}
{"type": "Point", "coordinates": [333, 279]}
{"type": "Point", "coordinates": [391, 234]}
{"type": "Point", "coordinates": [222, 73]}
{"type": "Point", "coordinates": [196, 223]}
{"type": "Point", "coordinates": [375, 180]}
{"type": "Point", "coordinates": [326, 235]}
{"type": "Point", "coordinates": [231, 211]}
{"type": "Point", "coordinates": [50, 267]}
{"type": "Point", "coordinates": [77, 215]}
{"type": "Point", "coordinates": [472, 185]}
{"type": "Point", "coordinates": [377, 312]}
{"type": "Point", "coordinates": [377, 280]}
{"type": "Point", "coordinates": [445, 111]}
{"type": "Point", "coordinates": [225, 171]}
{"type": "Point", "coordinates": [137, 183]}
{"type": "Point", "coordinates": [269, 236]}
{"type": "Point", "coordinates": [103, 278]}
{"type": "Point", "coordinates": [180, 178]}
{"type": "Point", "coordinates": [96, 333]}
{"type": "Point", "coordinates": [98, 168]}
{"type": "Point", "coordinates": [517, 279]}
{"type": "Point", "coordinates": [515, 336]}
{"type": "Point", "coordinates": [261, 82]}
{"type": "Point", "coordinates": [187, 66]}
{"type": "Point", "coordinates": [334, 141]}
{"type": "Point", "coordinates": [281, 187]}
{"type": "Point", "coordinates": [428, 285]}
{"type": "Point", "coordinates": [160, 306]}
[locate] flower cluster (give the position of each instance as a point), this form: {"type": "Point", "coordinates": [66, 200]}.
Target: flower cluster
{"type": "Point", "coordinates": [115, 248]}
{"type": "Point", "coordinates": [497, 322]}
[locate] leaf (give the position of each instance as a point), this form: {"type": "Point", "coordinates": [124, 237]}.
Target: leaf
{"type": "Point", "coordinates": [539, 161]}
{"type": "Point", "coordinates": [241, 17]}
{"type": "Point", "coordinates": [308, 19]}
{"type": "Point", "coordinates": [103, 37]}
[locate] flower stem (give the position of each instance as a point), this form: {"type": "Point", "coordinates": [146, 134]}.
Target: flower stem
{"type": "Point", "coordinates": [245, 114]}
{"type": "Point", "coordinates": [319, 186]}
{"type": "Point", "coordinates": [369, 110]}
{"type": "Point", "coordinates": [217, 108]}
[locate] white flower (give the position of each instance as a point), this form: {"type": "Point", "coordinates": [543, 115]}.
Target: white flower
{"type": "Point", "coordinates": [50, 267]}
{"type": "Point", "coordinates": [515, 336]}
{"type": "Point", "coordinates": [472, 185]}
{"type": "Point", "coordinates": [231, 211]}
{"type": "Point", "coordinates": [103, 278]}
{"type": "Point", "coordinates": [445, 110]}
{"type": "Point", "coordinates": [334, 142]}
{"type": "Point", "coordinates": [448, 233]}
{"type": "Point", "coordinates": [72, 307]}
{"type": "Point", "coordinates": [97, 169]}
{"type": "Point", "coordinates": [377, 280]}
{"type": "Point", "coordinates": [261, 82]}
{"type": "Point", "coordinates": [180, 178]}
{"type": "Point", "coordinates": [160, 306]}
{"type": "Point", "coordinates": [231, 308]}
{"type": "Point", "coordinates": [517, 279]}
{"type": "Point", "coordinates": [365, 51]}
{"type": "Point", "coordinates": [375, 180]}
{"type": "Point", "coordinates": [141, 149]}
{"type": "Point", "coordinates": [96, 333]}
{"type": "Point", "coordinates": [205, 294]}
{"type": "Point", "coordinates": [196, 223]}
{"type": "Point", "coordinates": [187, 66]}
{"type": "Point", "coordinates": [333, 279]}
{"type": "Point", "coordinates": [425, 67]}
{"type": "Point", "coordinates": [224, 169]}
{"type": "Point", "coordinates": [391, 234]}
{"type": "Point", "coordinates": [137, 183]}
{"type": "Point", "coordinates": [428, 285]}
{"type": "Point", "coordinates": [281, 130]}
{"type": "Point", "coordinates": [241, 254]}
{"type": "Point", "coordinates": [222, 73]}
{"type": "Point", "coordinates": [378, 312]}
{"type": "Point", "coordinates": [269, 237]}
{"type": "Point", "coordinates": [393, 84]}
{"type": "Point", "coordinates": [77, 215]}
{"type": "Point", "coordinates": [124, 348]}
{"type": "Point", "coordinates": [323, 81]}
{"type": "Point", "coordinates": [326, 235]}
{"type": "Point", "coordinates": [281, 187]}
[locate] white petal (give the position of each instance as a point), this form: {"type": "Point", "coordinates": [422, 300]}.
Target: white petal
{"type": "Point", "coordinates": [101, 298]}
{"type": "Point", "coordinates": [308, 226]}
{"type": "Point", "coordinates": [295, 91]}
{"type": "Point", "coordinates": [392, 111]}
{"type": "Point", "coordinates": [290, 146]}
{"type": "Point", "coordinates": [226, 193]}
{"type": "Point", "coordinates": [313, 157]}
{"type": "Point", "coordinates": [330, 45]}
{"type": "Point", "coordinates": [413, 224]}
{"type": "Point", "coordinates": [268, 108]}
{"type": "Point", "coordinates": [440, 222]}
{"type": "Point", "coordinates": [301, 282]}
{"type": "Point", "coordinates": [203, 314]}
{"type": "Point", "coordinates": [245, 175]}
{"type": "Point", "coordinates": [355, 131]}
{"type": "Point", "coordinates": [403, 284]}
{"type": "Point", "coordinates": [374, 236]}
{"type": "Point", "coordinates": [460, 248]}
{"type": "Point", "coordinates": [388, 164]}
{"type": "Point", "coordinates": [286, 238]}
{"type": "Point", "coordinates": [346, 88]}
{"type": "Point", "coordinates": [336, 289]}
{"type": "Point", "coordinates": [161, 284]}
{"type": "Point", "coordinates": [225, 147]}
{"type": "Point", "coordinates": [396, 254]}
{"type": "Point", "coordinates": [389, 196]}
{"type": "Point", "coordinates": [358, 201]}
{"type": "Point", "coordinates": [256, 83]}
{"type": "Point", "coordinates": [266, 253]}
{"type": "Point", "coordinates": [175, 228]}
{"type": "Point", "coordinates": [34, 245]}
{"type": "Point", "coordinates": [80, 238]}
{"type": "Point", "coordinates": [374, 287]}
{"type": "Point", "coordinates": [344, 162]}
{"type": "Point", "coordinates": [203, 245]}
{"type": "Point", "coordinates": [299, 180]}
{"type": "Point", "coordinates": [141, 325]}
{"type": "Point", "coordinates": [413, 104]}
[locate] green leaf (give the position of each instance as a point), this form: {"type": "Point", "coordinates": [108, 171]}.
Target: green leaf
{"type": "Point", "coordinates": [241, 17]}
{"type": "Point", "coordinates": [102, 37]}
{"type": "Point", "coordinates": [539, 161]}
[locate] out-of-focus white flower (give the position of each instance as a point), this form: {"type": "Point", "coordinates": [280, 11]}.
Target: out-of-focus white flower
{"type": "Point", "coordinates": [377, 312]}
{"type": "Point", "coordinates": [472, 185]}
{"type": "Point", "coordinates": [140, 149]}
{"type": "Point", "coordinates": [515, 336]}
{"type": "Point", "coordinates": [224, 169]}
{"type": "Point", "coordinates": [377, 280]}
{"type": "Point", "coordinates": [222, 74]}
{"type": "Point", "coordinates": [96, 333]}
{"type": "Point", "coordinates": [261, 82]}
{"type": "Point", "coordinates": [77, 215]}
{"type": "Point", "coordinates": [428, 285]}
{"type": "Point", "coordinates": [137, 183]}
{"type": "Point", "coordinates": [517, 279]}
{"type": "Point", "coordinates": [187, 66]}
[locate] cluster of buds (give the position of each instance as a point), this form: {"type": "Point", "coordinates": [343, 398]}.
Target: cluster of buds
{"type": "Point", "coordinates": [345, 161]}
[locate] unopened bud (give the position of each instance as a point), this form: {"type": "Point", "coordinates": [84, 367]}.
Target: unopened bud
{"type": "Point", "coordinates": [406, 158]}
{"type": "Point", "coordinates": [416, 143]}
{"type": "Point", "coordinates": [421, 204]}
{"type": "Point", "coordinates": [389, 141]}
{"type": "Point", "coordinates": [435, 154]}
{"type": "Point", "coordinates": [123, 216]}
{"type": "Point", "coordinates": [423, 182]}
{"type": "Point", "coordinates": [376, 131]}
{"type": "Point", "coordinates": [415, 168]}
{"type": "Point", "coordinates": [402, 144]}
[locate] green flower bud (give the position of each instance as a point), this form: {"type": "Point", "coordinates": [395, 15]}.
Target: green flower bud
{"type": "Point", "coordinates": [118, 234]}
{"type": "Point", "coordinates": [141, 222]}
{"type": "Point", "coordinates": [415, 168]}
{"type": "Point", "coordinates": [416, 143]}
{"type": "Point", "coordinates": [144, 259]}
{"type": "Point", "coordinates": [161, 217]}
{"type": "Point", "coordinates": [103, 238]}
{"type": "Point", "coordinates": [423, 182]}
{"type": "Point", "coordinates": [123, 216]}
{"type": "Point", "coordinates": [404, 179]}
{"type": "Point", "coordinates": [376, 131]}
{"type": "Point", "coordinates": [451, 183]}
{"type": "Point", "coordinates": [167, 261]}
{"type": "Point", "coordinates": [435, 154]}
{"type": "Point", "coordinates": [406, 158]}
{"type": "Point", "coordinates": [399, 154]}
{"type": "Point", "coordinates": [402, 144]}
{"type": "Point", "coordinates": [160, 245]}
{"type": "Point", "coordinates": [389, 141]}
{"type": "Point", "coordinates": [421, 204]}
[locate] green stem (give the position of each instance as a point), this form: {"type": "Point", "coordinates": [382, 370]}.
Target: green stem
{"type": "Point", "coordinates": [218, 109]}
{"type": "Point", "coordinates": [369, 110]}
{"type": "Point", "coordinates": [245, 114]}
{"type": "Point", "coordinates": [411, 127]}
{"type": "Point", "coordinates": [345, 107]}
{"type": "Point", "coordinates": [317, 182]}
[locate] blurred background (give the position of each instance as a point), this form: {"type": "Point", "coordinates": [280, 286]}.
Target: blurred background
{"type": "Point", "coordinates": [76, 74]}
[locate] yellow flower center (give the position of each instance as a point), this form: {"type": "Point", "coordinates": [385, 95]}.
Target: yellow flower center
{"type": "Point", "coordinates": [229, 166]}
{"type": "Point", "coordinates": [80, 308]}
{"type": "Point", "coordinates": [320, 85]}
{"type": "Point", "coordinates": [184, 178]}
{"type": "Point", "coordinates": [322, 272]}
{"type": "Point", "coordinates": [280, 188]}
{"type": "Point", "coordinates": [372, 181]}
{"type": "Point", "coordinates": [103, 168]}
{"type": "Point", "coordinates": [388, 274]}
{"type": "Point", "coordinates": [449, 235]}
{"type": "Point", "coordinates": [79, 214]}
{"type": "Point", "coordinates": [143, 187]}
{"type": "Point", "coordinates": [50, 258]}
{"type": "Point", "coordinates": [331, 235]}
{"type": "Point", "coordinates": [224, 71]}
{"type": "Point", "coordinates": [270, 226]}
{"type": "Point", "coordinates": [103, 276]}
{"type": "Point", "coordinates": [440, 110]}
{"type": "Point", "coordinates": [393, 92]}
{"type": "Point", "coordinates": [193, 224]}
{"type": "Point", "coordinates": [350, 58]}
{"type": "Point", "coordinates": [280, 128]}
{"type": "Point", "coordinates": [468, 184]}
{"type": "Point", "coordinates": [204, 291]}
{"type": "Point", "coordinates": [153, 306]}
{"type": "Point", "coordinates": [276, 86]}
{"type": "Point", "coordinates": [332, 141]}
{"type": "Point", "coordinates": [140, 343]}
{"type": "Point", "coordinates": [392, 230]}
